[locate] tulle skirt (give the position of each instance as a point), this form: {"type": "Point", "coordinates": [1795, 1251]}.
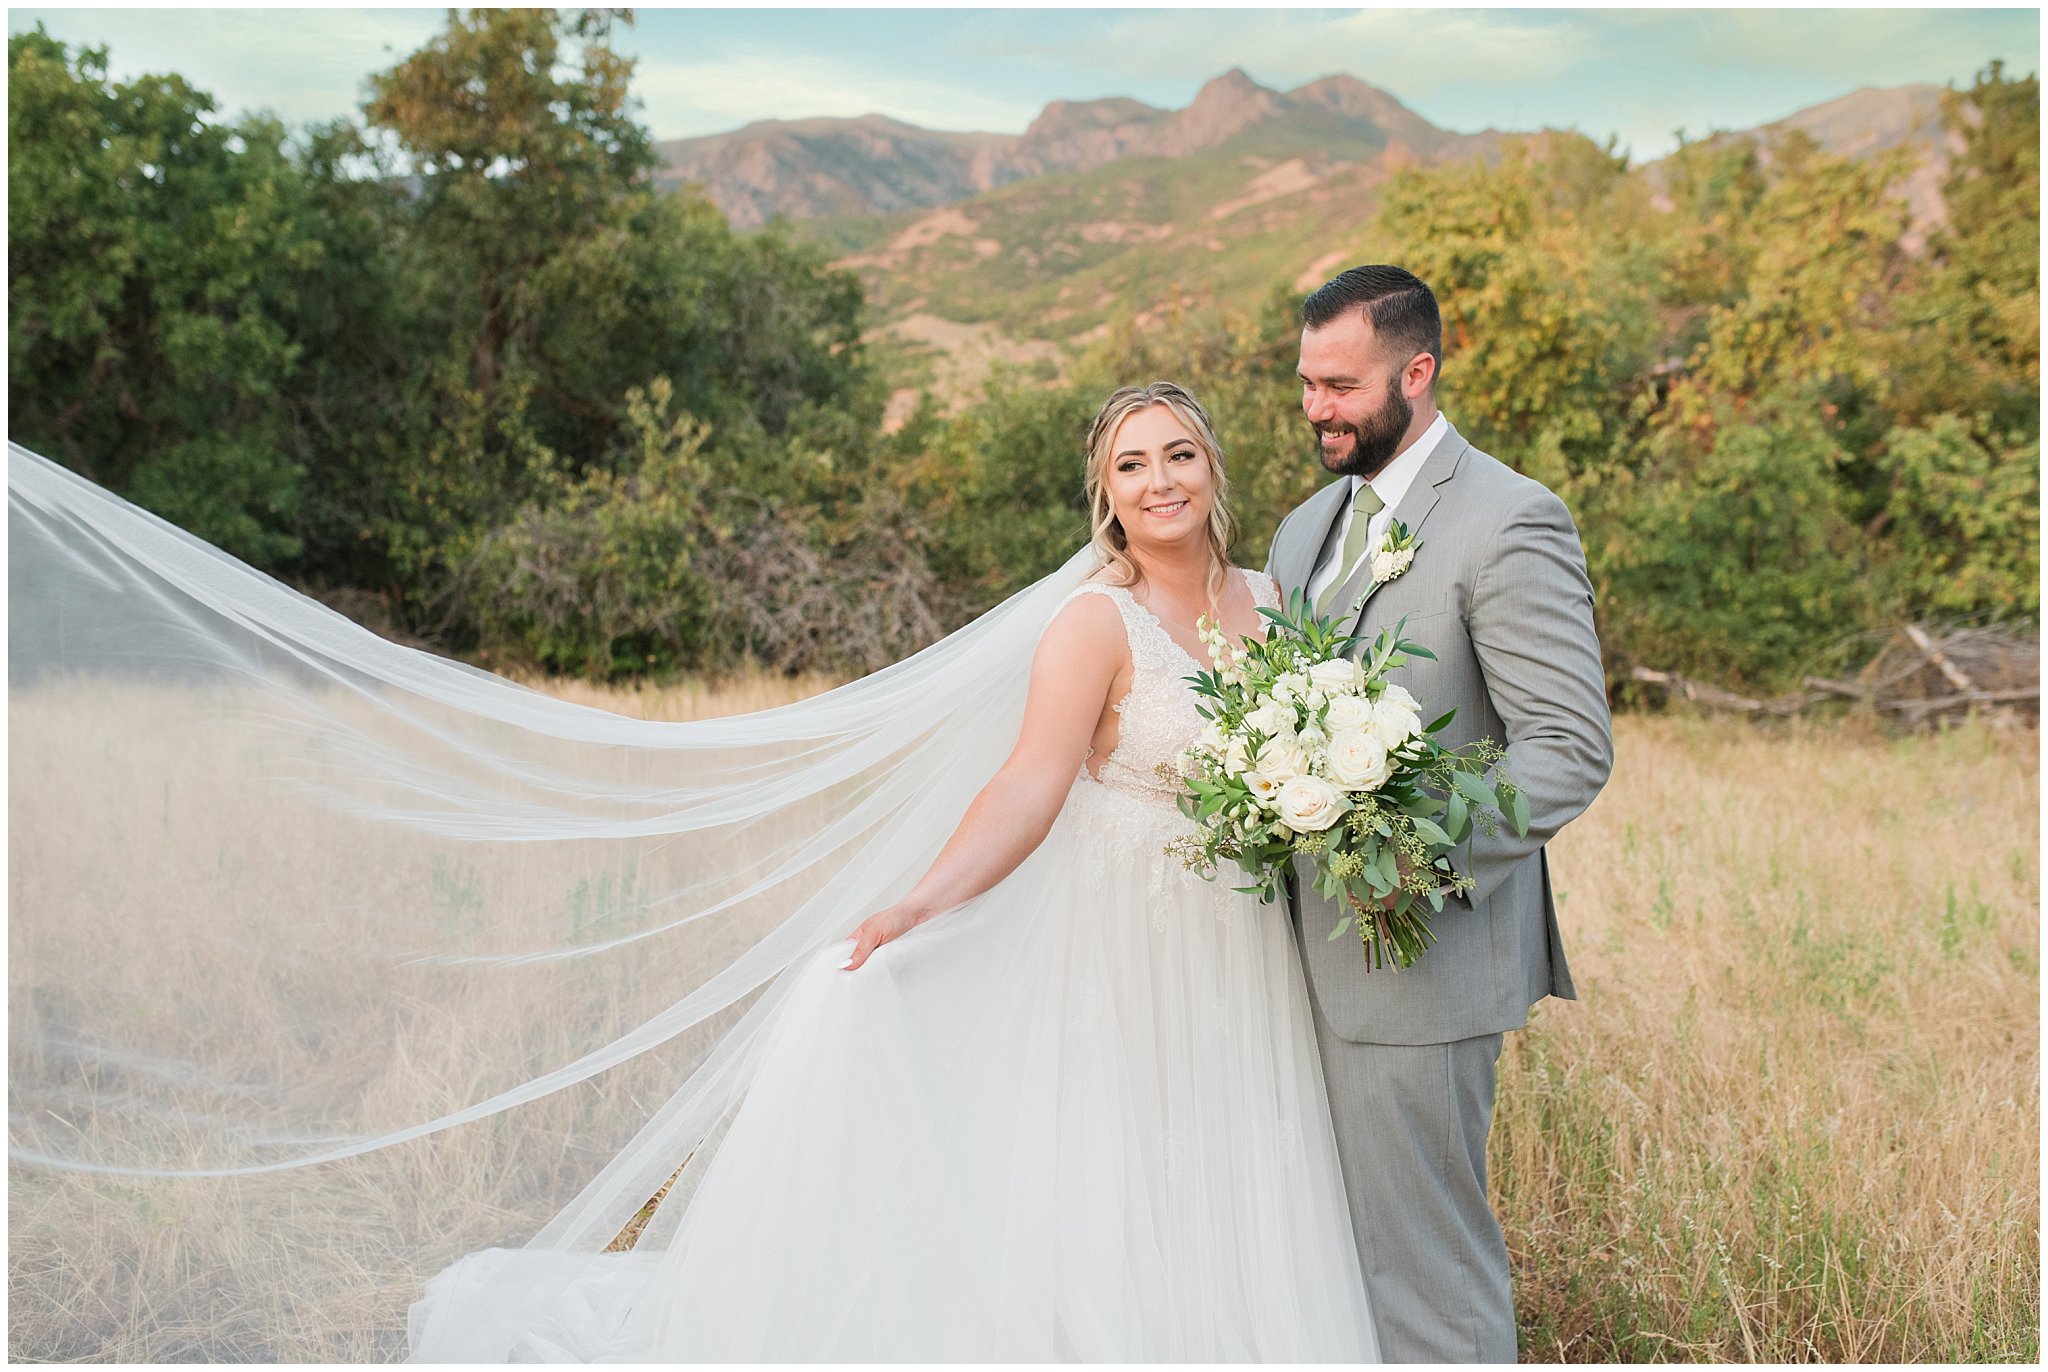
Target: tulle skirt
{"type": "Point", "coordinates": [1080, 1118]}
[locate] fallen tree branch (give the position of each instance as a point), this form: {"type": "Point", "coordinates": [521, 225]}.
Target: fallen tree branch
{"type": "Point", "coordinates": [1713, 697]}
{"type": "Point", "coordinates": [1917, 710]}
{"type": "Point", "coordinates": [1955, 675]}
{"type": "Point", "coordinates": [1827, 685]}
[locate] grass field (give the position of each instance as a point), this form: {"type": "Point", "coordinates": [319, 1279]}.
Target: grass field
{"type": "Point", "coordinates": [1794, 1116]}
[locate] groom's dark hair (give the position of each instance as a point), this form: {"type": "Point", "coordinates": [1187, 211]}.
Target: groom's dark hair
{"type": "Point", "coordinates": [1400, 305]}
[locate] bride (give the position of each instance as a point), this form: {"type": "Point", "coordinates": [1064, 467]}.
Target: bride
{"type": "Point", "coordinates": [1061, 1101]}
{"type": "Point", "coordinates": [1056, 1098]}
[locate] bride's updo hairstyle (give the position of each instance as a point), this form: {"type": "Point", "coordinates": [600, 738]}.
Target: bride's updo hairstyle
{"type": "Point", "coordinates": [1106, 531]}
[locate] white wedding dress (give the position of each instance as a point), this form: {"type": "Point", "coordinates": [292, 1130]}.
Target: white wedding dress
{"type": "Point", "coordinates": [1080, 1118]}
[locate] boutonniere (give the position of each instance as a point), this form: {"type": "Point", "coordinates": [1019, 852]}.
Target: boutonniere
{"type": "Point", "coordinates": [1396, 551]}
{"type": "Point", "coordinates": [1389, 560]}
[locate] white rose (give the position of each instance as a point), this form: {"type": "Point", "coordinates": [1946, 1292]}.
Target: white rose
{"type": "Point", "coordinates": [1358, 761]}
{"type": "Point", "coordinates": [1334, 675]}
{"type": "Point", "coordinates": [1383, 566]}
{"type": "Point", "coordinates": [1392, 725]}
{"type": "Point", "coordinates": [1265, 790]}
{"type": "Point", "coordinates": [1282, 759]}
{"type": "Point", "coordinates": [1347, 712]}
{"type": "Point", "coordinates": [1308, 805]}
{"type": "Point", "coordinates": [1272, 719]}
{"type": "Point", "coordinates": [1399, 695]}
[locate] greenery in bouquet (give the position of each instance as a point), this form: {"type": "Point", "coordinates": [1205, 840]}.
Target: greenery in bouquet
{"type": "Point", "coordinates": [1311, 753]}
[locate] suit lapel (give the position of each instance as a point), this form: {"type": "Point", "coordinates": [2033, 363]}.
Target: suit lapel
{"type": "Point", "coordinates": [1295, 561]}
{"type": "Point", "coordinates": [1437, 471]}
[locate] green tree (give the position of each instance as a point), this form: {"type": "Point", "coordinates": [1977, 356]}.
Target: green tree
{"type": "Point", "coordinates": [156, 260]}
{"type": "Point", "coordinates": [545, 279]}
{"type": "Point", "coordinates": [1724, 550]}
{"type": "Point", "coordinates": [1537, 331]}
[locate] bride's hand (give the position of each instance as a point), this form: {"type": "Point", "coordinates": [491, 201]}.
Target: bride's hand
{"type": "Point", "coordinates": [877, 929]}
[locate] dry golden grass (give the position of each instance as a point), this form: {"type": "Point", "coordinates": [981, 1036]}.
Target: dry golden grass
{"type": "Point", "coordinates": [1794, 1116]}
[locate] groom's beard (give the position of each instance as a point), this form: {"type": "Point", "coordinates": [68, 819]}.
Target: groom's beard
{"type": "Point", "coordinates": [1373, 443]}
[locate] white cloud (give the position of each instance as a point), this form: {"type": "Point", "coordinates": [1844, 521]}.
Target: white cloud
{"type": "Point", "coordinates": [743, 84]}
{"type": "Point", "coordinates": [302, 64]}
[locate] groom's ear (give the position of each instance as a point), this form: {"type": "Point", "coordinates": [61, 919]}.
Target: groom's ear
{"type": "Point", "coordinates": [1418, 378]}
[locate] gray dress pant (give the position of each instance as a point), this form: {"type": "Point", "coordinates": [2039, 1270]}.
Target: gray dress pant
{"type": "Point", "coordinates": [1411, 1125]}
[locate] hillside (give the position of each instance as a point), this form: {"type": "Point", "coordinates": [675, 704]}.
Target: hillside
{"type": "Point", "coordinates": [815, 168]}
{"type": "Point", "coordinates": [978, 249]}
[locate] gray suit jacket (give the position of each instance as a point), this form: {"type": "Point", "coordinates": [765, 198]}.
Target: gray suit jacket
{"type": "Point", "coordinates": [1498, 591]}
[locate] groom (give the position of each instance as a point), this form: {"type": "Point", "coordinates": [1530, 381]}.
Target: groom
{"type": "Point", "coordinates": [1498, 591]}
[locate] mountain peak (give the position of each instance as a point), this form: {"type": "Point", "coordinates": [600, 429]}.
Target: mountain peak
{"type": "Point", "coordinates": [1223, 106]}
{"type": "Point", "coordinates": [1063, 118]}
{"type": "Point", "coordinates": [1233, 87]}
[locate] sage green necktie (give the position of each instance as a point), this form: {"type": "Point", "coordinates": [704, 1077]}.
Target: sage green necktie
{"type": "Point", "coordinates": [1364, 506]}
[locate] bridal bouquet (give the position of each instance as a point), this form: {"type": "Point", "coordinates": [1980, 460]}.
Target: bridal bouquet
{"type": "Point", "coordinates": [1308, 752]}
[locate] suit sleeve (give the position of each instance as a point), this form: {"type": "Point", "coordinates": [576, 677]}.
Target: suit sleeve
{"type": "Point", "coordinates": [1531, 628]}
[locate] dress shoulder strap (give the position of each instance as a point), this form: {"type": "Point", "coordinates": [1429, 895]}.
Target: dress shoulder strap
{"type": "Point", "coordinates": [1142, 631]}
{"type": "Point", "coordinates": [1265, 590]}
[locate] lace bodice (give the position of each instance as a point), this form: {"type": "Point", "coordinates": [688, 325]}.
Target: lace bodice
{"type": "Point", "coordinates": [1156, 717]}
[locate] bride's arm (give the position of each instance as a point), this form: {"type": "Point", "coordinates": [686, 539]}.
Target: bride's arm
{"type": "Point", "coordinates": [1071, 676]}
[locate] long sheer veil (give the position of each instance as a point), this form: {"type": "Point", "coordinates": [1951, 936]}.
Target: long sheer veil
{"type": "Point", "coordinates": [332, 960]}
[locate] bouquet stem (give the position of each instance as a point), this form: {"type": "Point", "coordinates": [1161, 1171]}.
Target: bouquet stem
{"type": "Point", "coordinates": [1393, 937]}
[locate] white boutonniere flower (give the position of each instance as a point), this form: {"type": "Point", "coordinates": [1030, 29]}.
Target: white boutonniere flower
{"type": "Point", "coordinates": [1395, 553]}
{"type": "Point", "coordinates": [1389, 560]}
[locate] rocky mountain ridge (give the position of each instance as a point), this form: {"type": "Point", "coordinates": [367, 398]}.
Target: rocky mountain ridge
{"type": "Point", "coordinates": [814, 168]}
{"type": "Point", "coordinates": [820, 168]}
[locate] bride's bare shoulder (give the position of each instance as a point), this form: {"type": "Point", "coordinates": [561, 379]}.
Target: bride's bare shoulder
{"type": "Point", "coordinates": [1089, 623]}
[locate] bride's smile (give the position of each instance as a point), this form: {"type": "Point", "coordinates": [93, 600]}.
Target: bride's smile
{"type": "Point", "coordinates": [1159, 482]}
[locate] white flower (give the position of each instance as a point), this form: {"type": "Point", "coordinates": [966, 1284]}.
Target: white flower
{"type": "Point", "coordinates": [1334, 675]}
{"type": "Point", "coordinates": [1400, 697]}
{"type": "Point", "coordinates": [1290, 686]}
{"type": "Point", "coordinates": [1311, 737]}
{"type": "Point", "coordinates": [1283, 759]}
{"type": "Point", "coordinates": [1393, 725]}
{"type": "Point", "coordinates": [1308, 804]}
{"type": "Point", "coordinates": [1358, 761]}
{"type": "Point", "coordinates": [1212, 737]}
{"type": "Point", "coordinates": [1273, 719]}
{"type": "Point", "coordinates": [1347, 712]}
{"type": "Point", "coordinates": [1265, 790]}
{"type": "Point", "coordinates": [1236, 754]}
{"type": "Point", "coordinates": [1388, 563]}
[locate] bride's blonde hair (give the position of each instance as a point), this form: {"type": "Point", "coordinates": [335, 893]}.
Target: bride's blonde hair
{"type": "Point", "coordinates": [1106, 531]}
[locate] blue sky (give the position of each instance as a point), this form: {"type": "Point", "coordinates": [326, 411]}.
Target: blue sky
{"type": "Point", "coordinates": [1640, 74]}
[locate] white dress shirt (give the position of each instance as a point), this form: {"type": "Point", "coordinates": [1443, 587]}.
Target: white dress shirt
{"type": "Point", "coordinates": [1390, 485]}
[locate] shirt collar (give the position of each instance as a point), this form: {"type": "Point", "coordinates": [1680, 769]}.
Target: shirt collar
{"type": "Point", "coordinates": [1397, 476]}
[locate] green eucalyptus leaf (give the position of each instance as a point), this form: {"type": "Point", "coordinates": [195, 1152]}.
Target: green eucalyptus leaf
{"type": "Point", "coordinates": [1476, 790]}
